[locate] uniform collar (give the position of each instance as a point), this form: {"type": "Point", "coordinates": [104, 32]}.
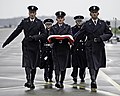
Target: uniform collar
{"type": "Point", "coordinates": [60, 25]}
{"type": "Point", "coordinates": [32, 20]}
{"type": "Point", "coordinates": [95, 20]}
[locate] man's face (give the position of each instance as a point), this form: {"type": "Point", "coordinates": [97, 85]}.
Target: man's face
{"type": "Point", "coordinates": [60, 20]}
{"type": "Point", "coordinates": [94, 14]}
{"type": "Point", "coordinates": [78, 21]}
{"type": "Point", "coordinates": [48, 25]}
{"type": "Point", "coordinates": [32, 14]}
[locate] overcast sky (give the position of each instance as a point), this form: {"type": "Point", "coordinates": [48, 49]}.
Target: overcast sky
{"type": "Point", "coordinates": [109, 9]}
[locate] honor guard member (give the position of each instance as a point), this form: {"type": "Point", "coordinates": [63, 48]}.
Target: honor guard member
{"type": "Point", "coordinates": [47, 54]}
{"type": "Point", "coordinates": [34, 31]}
{"type": "Point", "coordinates": [97, 31]}
{"type": "Point", "coordinates": [108, 23]}
{"type": "Point", "coordinates": [60, 49]}
{"type": "Point", "coordinates": [79, 22]}
{"type": "Point", "coordinates": [78, 52]}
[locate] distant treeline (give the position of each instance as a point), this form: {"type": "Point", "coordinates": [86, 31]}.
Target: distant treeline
{"type": "Point", "coordinates": [13, 22]}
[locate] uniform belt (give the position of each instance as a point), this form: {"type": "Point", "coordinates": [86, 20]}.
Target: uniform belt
{"type": "Point", "coordinates": [46, 44]}
{"type": "Point", "coordinates": [92, 40]}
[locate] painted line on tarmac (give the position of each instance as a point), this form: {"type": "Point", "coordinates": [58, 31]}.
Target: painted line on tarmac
{"type": "Point", "coordinates": [11, 88]}
{"type": "Point", "coordinates": [12, 78]}
{"type": "Point", "coordinates": [37, 86]}
{"type": "Point", "coordinates": [43, 84]}
{"type": "Point", "coordinates": [20, 79]}
{"type": "Point", "coordinates": [66, 86]}
{"type": "Point", "coordinates": [20, 87]}
{"type": "Point", "coordinates": [116, 85]}
{"type": "Point", "coordinates": [108, 93]}
{"type": "Point", "coordinates": [98, 91]}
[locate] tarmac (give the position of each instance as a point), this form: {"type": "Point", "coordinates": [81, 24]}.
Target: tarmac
{"type": "Point", "coordinates": [12, 75]}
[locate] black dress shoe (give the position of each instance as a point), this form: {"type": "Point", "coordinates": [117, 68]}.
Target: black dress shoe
{"type": "Point", "coordinates": [32, 86]}
{"type": "Point", "coordinates": [50, 80]}
{"type": "Point", "coordinates": [82, 84]}
{"type": "Point", "coordinates": [27, 84]}
{"type": "Point", "coordinates": [93, 86]}
{"type": "Point", "coordinates": [82, 80]}
{"type": "Point", "coordinates": [74, 85]}
{"type": "Point", "coordinates": [61, 85]}
{"type": "Point", "coordinates": [46, 79]}
{"type": "Point", "coordinates": [57, 85]}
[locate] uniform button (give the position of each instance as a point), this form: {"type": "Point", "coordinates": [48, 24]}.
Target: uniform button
{"type": "Point", "coordinates": [82, 43]}
{"type": "Point", "coordinates": [82, 49]}
{"type": "Point", "coordinates": [77, 49]}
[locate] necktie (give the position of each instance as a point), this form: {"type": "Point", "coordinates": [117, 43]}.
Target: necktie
{"type": "Point", "coordinates": [32, 22]}
{"type": "Point", "coordinates": [95, 22]}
